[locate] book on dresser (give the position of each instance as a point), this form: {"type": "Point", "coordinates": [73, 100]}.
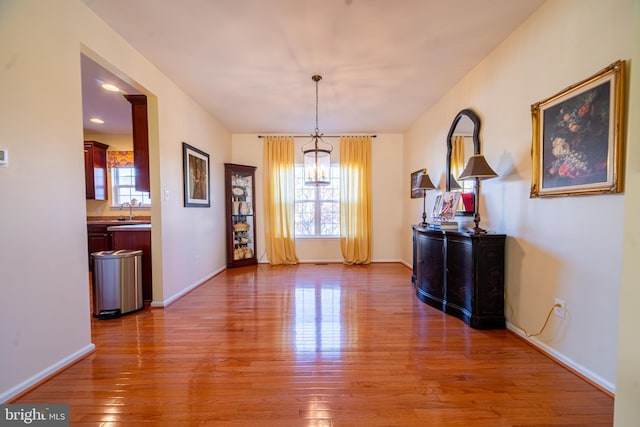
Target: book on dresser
{"type": "Point", "coordinates": [445, 225]}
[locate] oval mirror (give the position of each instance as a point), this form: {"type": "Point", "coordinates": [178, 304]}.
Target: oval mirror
{"type": "Point", "coordinates": [463, 141]}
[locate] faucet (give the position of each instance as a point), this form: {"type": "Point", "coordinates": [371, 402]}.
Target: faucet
{"type": "Point", "coordinates": [130, 210]}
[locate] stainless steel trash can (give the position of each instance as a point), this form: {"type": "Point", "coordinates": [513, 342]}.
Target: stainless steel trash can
{"type": "Point", "coordinates": [117, 283]}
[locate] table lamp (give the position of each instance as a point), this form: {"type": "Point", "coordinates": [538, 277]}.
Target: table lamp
{"type": "Point", "coordinates": [478, 169]}
{"type": "Point", "coordinates": [425, 184]}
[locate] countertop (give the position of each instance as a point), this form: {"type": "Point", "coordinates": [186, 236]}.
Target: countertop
{"type": "Point", "coordinates": [130, 227]}
{"type": "Point", "coordinates": [107, 220]}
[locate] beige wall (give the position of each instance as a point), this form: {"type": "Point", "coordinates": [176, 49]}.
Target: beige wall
{"type": "Point", "coordinates": [387, 178]}
{"type": "Point", "coordinates": [557, 247]}
{"type": "Point", "coordinates": [44, 309]}
{"type": "Point", "coordinates": [627, 409]}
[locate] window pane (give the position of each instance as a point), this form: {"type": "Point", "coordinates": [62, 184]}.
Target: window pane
{"type": "Point", "coordinates": [305, 219]}
{"type": "Point", "coordinates": [330, 219]}
{"type": "Point", "coordinates": [317, 208]}
{"type": "Point", "coordinates": [329, 193]}
{"type": "Point", "coordinates": [305, 193]}
{"type": "Point", "coordinates": [123, 181]}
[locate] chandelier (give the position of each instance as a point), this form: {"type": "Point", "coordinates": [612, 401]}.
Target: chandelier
{"type": "Point", "coordinates": [317, 160]}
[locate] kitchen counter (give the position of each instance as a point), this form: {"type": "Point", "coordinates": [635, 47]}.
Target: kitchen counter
{"type": "Point", "coordinates": [117, 221]}
{"type": "Point", "coordinates": [130, 227]}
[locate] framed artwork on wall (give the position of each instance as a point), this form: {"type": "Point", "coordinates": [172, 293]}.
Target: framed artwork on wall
{"type": "Point", "coordinates": [196, 177]}
{"type": "Point", "coordinates": [415, 179]}
{"type": "Point", "coordinates": [577, 145]}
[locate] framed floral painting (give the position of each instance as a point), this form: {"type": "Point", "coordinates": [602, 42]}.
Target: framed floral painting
{"type": "Point", "coordinates": [578, 137]}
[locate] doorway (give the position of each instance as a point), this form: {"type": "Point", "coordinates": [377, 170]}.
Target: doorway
{"type": "Point", "coordinates": [114, 116]}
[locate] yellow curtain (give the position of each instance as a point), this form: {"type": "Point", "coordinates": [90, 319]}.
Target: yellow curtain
{"type": "Point", "coordinates": [120, 159]}
{"type": "Point", "coordinates": [279, 200]}
{"type": "Point", "coordinates": [457, 156]}
{"type": "Point", "coordinates": [355, 199]}
{"type": "Point", "coordinates": [457, 161]}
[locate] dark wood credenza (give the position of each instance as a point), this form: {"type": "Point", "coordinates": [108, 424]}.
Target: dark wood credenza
{"type": "Point", "coordinates": [461, 274]}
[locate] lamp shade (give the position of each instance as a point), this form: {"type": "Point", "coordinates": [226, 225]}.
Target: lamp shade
{"type": "Point", "coordinates": [425, 183]}
{"type": "Point", "coordinates": [477, 167]}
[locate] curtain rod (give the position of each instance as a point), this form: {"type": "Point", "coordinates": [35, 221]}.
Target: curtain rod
{"type": "Point", "coordinates": [323, 136]}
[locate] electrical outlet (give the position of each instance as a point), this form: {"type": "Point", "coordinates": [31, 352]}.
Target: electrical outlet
{"type": "Point", "coordinates": [560, 308]}
{"type": "Point", "coordinates": [4, 157]}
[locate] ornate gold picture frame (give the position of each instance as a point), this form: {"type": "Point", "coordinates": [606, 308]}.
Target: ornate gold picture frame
{"type": "Point", "coordinates": [577, 145]}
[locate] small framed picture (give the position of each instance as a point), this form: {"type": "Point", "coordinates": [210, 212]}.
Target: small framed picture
{"type": "Point", "coordinates": [196, 177]}
{"type": "Point", "coordinates": [415, 180]}
{"type": "Point", "coordinates": [448, 205]}
{"type": "Point", "coordinates": [577, 143]}
{"type": "Point", "coordinates": [437, 205]}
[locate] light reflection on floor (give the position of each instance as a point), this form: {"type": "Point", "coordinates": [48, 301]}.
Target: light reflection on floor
{"type": "Point", "coordinates": [317, 326]}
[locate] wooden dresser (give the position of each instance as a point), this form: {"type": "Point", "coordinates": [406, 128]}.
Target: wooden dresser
{"type": "Point", "coordinates": [461, 274]}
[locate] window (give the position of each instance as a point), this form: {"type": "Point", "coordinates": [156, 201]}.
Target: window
{"type": "Point", "coordinates": [317, 208]}
{"type": "Point", "coordinates": [123, 181]}
{"type": "Point", "coordinates": [467, 185]}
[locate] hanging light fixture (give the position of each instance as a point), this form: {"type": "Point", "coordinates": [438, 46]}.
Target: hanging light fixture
{"type": "Point", "coordinates": [317, 160]}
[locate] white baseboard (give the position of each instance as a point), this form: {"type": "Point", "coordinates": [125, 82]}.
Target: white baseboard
{"type": "Point", "coordinates": [321, 261]}
{"type": "Point", "coordinates": [168, 301]}
{"type": "Point", "coordinates": [564, 360]}
{"type": "Point", "coordinates": [341, 261]}
{"type": "Point", "coordinates": [46, 373]}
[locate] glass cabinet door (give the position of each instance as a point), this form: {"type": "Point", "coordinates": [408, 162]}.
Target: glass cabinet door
{"type": "Point", "coordinates": [241, 233]}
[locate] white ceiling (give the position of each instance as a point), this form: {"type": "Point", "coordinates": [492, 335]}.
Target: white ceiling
{"type": "Point", "coordinates": [112, 107]}
{"type": "Point", "coordinates": [250, 62]}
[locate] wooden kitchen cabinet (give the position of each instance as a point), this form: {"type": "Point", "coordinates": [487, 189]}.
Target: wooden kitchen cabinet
{"type": "Point", "coordinates": [136, 237]}
{"type": "Point", "coordinates": [140, 129]}
{"type": "Point", "coordinates": [99, 239]}
{"type": "Point", "coordinates": [95, 170]}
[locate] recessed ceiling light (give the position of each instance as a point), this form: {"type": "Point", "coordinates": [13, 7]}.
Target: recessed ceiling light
{"type": "Point", "coordinates": [96, 120]}
{"type": "Point", "coordinates": [110, 87]}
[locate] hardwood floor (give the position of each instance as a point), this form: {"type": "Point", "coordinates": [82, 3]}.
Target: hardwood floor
{"type": "Point", "coordinates": [315, 345]}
